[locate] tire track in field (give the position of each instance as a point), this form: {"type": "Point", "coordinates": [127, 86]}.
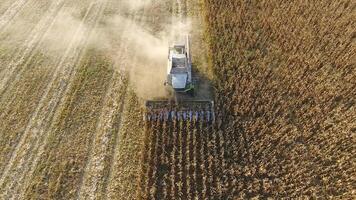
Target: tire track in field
{"type": "Point", "coordinates": [109, 122]}
{"type": "Point", "coordinates": [23, 141]}
{"type": "Point", "coordinates": [38, 126]}
{"type": "Point", "coordinates": [25, 52]}
{"type": "Point", "coordinates": [56, 9]}
{"type": "Point", "coordinates": [113, 184]}
{"type": "Point", "coordinates": [27, 19]}
{"type": "Point", "coordinates": [66, 73]}
{"type": "Point", "coordinates": [11, 12]}
{"type": "Point", "coordinates": [6, 4]}
{"type": "Point", "coordinates": [22, 59]}
{"type": "Point", "coordinates": [16, 35]}
{"type": "Point", "coordinates": [94, 172]}
{"type": "Point", "coordinates": [177, 25]}
{"type": "Point", "coordinates": [125, 60]}
{"type": "Point", "coordinates": [180, 10]}
{"type": "Point", "coordinates": [117, 180]}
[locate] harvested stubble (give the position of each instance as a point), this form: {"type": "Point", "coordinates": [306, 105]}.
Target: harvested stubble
{"type": "Point", "coordinates": [60, 168]}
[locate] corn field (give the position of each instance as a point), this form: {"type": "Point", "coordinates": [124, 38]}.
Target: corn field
{"type": "Point", "coordinates": [285, 83]}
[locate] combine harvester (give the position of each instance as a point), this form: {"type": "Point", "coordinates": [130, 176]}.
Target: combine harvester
{"type": "Point", "coordinates": [183, 103]}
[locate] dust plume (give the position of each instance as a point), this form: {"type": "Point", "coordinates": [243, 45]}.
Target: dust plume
{"type": "Point", "coordinates": [137, 4]}
{"type": "Point", "coordinates": [143, 53]}
{"type": "Point", "coordinates": [136, 41]}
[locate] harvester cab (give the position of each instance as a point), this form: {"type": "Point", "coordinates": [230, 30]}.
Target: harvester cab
{"type": "Point", "coordinates": [183, 104]}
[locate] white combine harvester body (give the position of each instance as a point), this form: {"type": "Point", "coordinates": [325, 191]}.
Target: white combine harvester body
{"type": "Point", "coordinates": [179, 79]}
{"type": "Point", "coordinates": [179, 68]}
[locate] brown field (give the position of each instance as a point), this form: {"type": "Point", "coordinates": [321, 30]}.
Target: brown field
{"type": "Point", "coordinates": [74, 76]}
{"type": "Point", "coordinates": [286, 87]}
{"type": "Point", "coordinates": [69, 116]}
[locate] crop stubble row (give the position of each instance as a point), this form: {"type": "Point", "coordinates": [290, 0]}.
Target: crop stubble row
{"type": "Point", "coordinates": [87, 90]}
{"type": "Point", "coordinates": [103, 177]}
{"type": "Point", "coordinates": [48, 105]}
{"type": "Point", "coordinates": [21, 33]}
{"type": "Point", "coordinates": [125, 167]}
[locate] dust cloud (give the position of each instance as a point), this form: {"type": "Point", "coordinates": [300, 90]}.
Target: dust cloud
{"type": "Point", "coordinates": [67, 30]}
{"type": "Point", "coordinates": [137, 4]}
{"type": "Point", "coordinates": [149, 71]}
{"type": "Point", "coordinates": [128, 40]}
{"type": "Point", "coordinates": [140, 52]}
